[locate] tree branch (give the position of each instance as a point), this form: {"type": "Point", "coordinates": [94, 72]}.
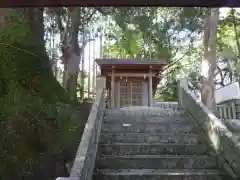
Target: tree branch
{"type": "Point", "coordinates": [102, 11]}
{"type": "Point", "coordinates": [89, 17]}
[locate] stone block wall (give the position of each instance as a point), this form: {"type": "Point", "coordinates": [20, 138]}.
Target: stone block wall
{"type": "Point", "coordinates": [221, 140]}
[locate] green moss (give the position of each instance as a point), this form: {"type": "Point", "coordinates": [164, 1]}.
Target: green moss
{"type": "Point", "coordinates": [29, 121]}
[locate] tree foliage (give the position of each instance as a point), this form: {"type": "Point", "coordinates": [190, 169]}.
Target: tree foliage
{"type": "Point", "coordinates": [175, 34]}
{"type": "Point", "coordinates": [153, 33]}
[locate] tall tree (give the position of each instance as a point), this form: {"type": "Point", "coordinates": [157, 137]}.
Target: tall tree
{"type": "Point", "coordinates": [209, 59]}
{"type": "Point", "coordinates": [72, 42]}
{"type": "Point", "coordinates": [29, 95]}
{"type": "Point", "coordinates": [71, 53]}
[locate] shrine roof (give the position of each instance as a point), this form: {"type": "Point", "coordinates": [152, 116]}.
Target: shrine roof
{"type": "Point", "coordinates": [101, 62]}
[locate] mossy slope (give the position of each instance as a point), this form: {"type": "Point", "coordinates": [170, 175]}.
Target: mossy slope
{"type": "Point", "coordinates": [30, 123]}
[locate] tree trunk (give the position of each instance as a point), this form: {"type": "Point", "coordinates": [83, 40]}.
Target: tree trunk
{"type": "Point", "coordinates": [35, 19]}
{"type": "Point", "coordinates": [236, 34]}
{"type": "Point", "coordinates": [94, 71]}
{"type": "Point", "coordinates": [82, 77]}
{"type": "Point", "coordinates": [72, 54]}
{"type": "Point", "coordinates": [89, 67]}
{"type": "Point", "coordinates": [209, 59]}
{"type": "Point", "coordinates": [28, 106]}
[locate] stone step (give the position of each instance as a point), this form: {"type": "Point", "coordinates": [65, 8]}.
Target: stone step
{"type": "Point", "coordinates": [151, 149]}
{"type": "Point", "coordinates": [119, 127]}
{"type": "Point", "coordinates": [185, 138]}
{"type": "Point", "coordinates": [142, 119]}
{"type": "Point", "coordinates": [158, 174]}
{"type": "Point", "coordinates": [153, 111]}
{"type": "Point", "coordinates": [156, 161]}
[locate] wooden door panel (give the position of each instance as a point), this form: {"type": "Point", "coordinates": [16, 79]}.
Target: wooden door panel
{"type": "Point", "coordinates": [130, 93]}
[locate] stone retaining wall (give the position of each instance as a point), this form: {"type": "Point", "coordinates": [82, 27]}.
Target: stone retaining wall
{"type": "Point", "coordinates": [223, 142]}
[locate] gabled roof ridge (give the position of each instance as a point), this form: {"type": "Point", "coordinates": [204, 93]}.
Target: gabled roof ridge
{"type": "Point", "coordinates": [130, 61]}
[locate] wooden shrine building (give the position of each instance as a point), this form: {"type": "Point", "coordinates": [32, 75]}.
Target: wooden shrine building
{"type": "Point", "coordinates": [129, 82]}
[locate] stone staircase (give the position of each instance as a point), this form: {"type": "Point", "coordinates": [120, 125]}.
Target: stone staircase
{"type": "Point", "coordinates": [141, 146]}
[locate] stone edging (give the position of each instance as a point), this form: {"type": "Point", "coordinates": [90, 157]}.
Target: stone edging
{"type": "Point", "coordinates": [225, 144]}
